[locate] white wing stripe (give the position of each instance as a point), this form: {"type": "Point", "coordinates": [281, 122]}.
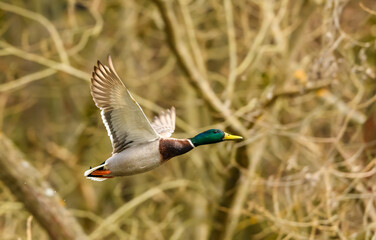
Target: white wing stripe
{"type": "Point", "coordinates": [107, 127]}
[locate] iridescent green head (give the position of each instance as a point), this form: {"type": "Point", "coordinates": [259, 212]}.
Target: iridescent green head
{"type": "Point", "coordinates": [212, 136]}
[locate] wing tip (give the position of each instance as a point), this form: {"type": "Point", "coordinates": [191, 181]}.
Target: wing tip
{"type": "Point", "coordinates": [99, 63]}
{"type": "Point", "coordinates": [109, 60]}
{"type": "Point", "coordinates": [111, 65]}
{"type": "Point", "coordinates": [105, 70]}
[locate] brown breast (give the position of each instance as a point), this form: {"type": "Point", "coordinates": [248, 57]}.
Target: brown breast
{"type": "Point", "coordinates": [170, 147]}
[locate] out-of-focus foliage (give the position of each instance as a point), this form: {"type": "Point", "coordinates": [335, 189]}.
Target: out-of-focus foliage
{"type": "Point", "coordinates": [306, 169]}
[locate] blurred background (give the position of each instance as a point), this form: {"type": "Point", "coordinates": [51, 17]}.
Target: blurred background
{"type": "Point", "coordinates": [295, 78]}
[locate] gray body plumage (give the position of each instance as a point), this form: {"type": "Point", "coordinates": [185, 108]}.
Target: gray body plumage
{"type": "Point", "coordinates": [134, 160]}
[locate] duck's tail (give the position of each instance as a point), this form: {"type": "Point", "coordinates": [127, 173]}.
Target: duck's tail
{"type": "Point", "coordinates": [98, 173]}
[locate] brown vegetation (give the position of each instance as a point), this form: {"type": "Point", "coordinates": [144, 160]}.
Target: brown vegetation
{"type": "Point", "coordinates": [295, 78]}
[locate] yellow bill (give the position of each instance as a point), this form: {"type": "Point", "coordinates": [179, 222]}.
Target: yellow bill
{"type": "Point", "coordinates": [231, 137]}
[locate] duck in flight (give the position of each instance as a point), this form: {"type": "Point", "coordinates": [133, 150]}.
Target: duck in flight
{"type": "Point", "coordinates": [138, 145]}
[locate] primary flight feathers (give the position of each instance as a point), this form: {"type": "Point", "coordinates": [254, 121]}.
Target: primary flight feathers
{"type": "Point", "coordinates": [124, 119]}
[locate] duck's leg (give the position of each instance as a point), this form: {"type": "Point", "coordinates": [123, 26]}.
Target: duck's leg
{"type": "Point", "coordinates": [98, 173]}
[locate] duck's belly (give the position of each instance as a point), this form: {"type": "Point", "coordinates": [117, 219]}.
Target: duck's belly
{"type": "Point", "coordinates": [138, 159]}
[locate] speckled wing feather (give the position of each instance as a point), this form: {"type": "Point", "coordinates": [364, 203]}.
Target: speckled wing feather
{"type": "Point", "coordinates": [124, 119]}
{"type": "Point", "coordinates": [164, 124]}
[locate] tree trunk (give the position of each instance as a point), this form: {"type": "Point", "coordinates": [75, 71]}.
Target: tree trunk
{"type": "Point", "coordinates": [38, 197]}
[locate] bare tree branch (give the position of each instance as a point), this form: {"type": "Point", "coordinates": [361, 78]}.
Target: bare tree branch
{"type": "Point", "coordinates": [39, 198]}
{"type": "Point", "coordinates": [22, 81]}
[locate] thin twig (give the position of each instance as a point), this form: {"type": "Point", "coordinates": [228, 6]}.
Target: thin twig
{"type": "Point", "coordinates": [93, 31]}
{"type": "Point", "coordinates": [44, 22]}
{"type": "Point", "coordinates": [254, 48]}
{"type": "Point", "coordinates": [231, 51]}
{"type": "Point", "coordinates": [29, 235]}
{"type": "Point", "coordinates": [21, 82]}
{"type": "Point", "coordinates": [192, 39]}
{"type": "Point", "coordinates": [370, 11]}
{"type": "Point", "coordinates": [45, 61]}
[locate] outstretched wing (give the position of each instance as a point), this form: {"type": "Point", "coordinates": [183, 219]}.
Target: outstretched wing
{"type": "Point", "coordinates": [164, 124]}
{"type": "Point", "coordinates": [124, 119]}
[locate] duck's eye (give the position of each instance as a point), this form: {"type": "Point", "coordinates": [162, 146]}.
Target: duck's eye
{"type": "Point", "coordinates": [215, 131]}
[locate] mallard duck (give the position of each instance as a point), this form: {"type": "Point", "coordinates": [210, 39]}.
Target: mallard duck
{"type": "Point", "coordinates": [138, 145]}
